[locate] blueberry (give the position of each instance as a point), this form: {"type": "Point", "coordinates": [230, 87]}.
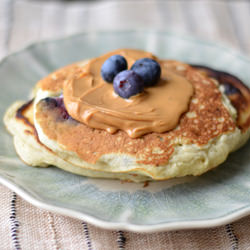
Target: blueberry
{"type": "Point", "coordinates": [127, 83]}
{"type": "Point", "coordinates": [61, 108]}
{"type": "Point", "coordinates": [112, 66]}
{"type": "Point", "coordinates": [50, 102]}
{"type": "Point", "coordinates": [230, 89]}
{"type": "Point", "coordinates": [59, 101]}
{"type": "Point", "coordinates": [58, 104]}
{"type": "Point", "coordinates": [227, 80]}
{"type": "Point", "coordinates": [63, 113]}
{"type": "Point", "coordinates": [148, 69]}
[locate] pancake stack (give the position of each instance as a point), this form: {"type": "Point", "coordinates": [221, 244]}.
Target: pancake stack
{"type": "Point", "coordinates": [216, 123]}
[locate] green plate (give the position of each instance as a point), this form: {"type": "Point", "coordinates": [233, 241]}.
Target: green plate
{"type": "Point", "coordinates": [215, 198]}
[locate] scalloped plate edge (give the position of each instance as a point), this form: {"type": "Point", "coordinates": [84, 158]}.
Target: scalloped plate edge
{"type": "Point", "coordinates": [215, 222]}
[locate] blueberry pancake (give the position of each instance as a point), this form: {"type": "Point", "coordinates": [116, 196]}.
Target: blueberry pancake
{"type": "Point", "coordinates": [128, 115]}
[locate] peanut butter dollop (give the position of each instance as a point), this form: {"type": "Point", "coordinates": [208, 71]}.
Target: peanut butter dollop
{"type": "Point", "coordinates": [92, 101]}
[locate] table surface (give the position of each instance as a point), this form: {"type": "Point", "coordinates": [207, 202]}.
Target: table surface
{"type": "Point", "coordinates": [22, 22]}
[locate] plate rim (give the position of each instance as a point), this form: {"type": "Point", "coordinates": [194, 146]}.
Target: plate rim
{"type": "Point", "coordinates": [127, 226]}
{"type": "Point", "coordinates": [167, 226]}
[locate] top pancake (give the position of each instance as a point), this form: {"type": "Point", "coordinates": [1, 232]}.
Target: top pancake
{"type": "Point", "coordinates": [207, 118]}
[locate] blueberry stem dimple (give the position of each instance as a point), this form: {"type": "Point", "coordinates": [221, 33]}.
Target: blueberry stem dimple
{"type": "Point", "coordinates": [127, 83]}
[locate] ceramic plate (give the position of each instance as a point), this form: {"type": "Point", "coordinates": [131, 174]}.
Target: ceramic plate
{"type": "Point", "coordinates": [220, 196]}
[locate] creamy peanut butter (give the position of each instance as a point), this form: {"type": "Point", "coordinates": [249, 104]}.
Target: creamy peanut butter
{"type": "Point", "coordinates": [92, 101]}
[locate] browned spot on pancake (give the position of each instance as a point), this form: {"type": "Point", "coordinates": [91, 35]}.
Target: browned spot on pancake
{"type": "Point", "coordinates": [21, 115]}
{"type": "Point", "coordinates": [207, 118]}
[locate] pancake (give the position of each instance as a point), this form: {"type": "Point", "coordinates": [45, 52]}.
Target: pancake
{"type": "Point", "coordinates": [216, 124]}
